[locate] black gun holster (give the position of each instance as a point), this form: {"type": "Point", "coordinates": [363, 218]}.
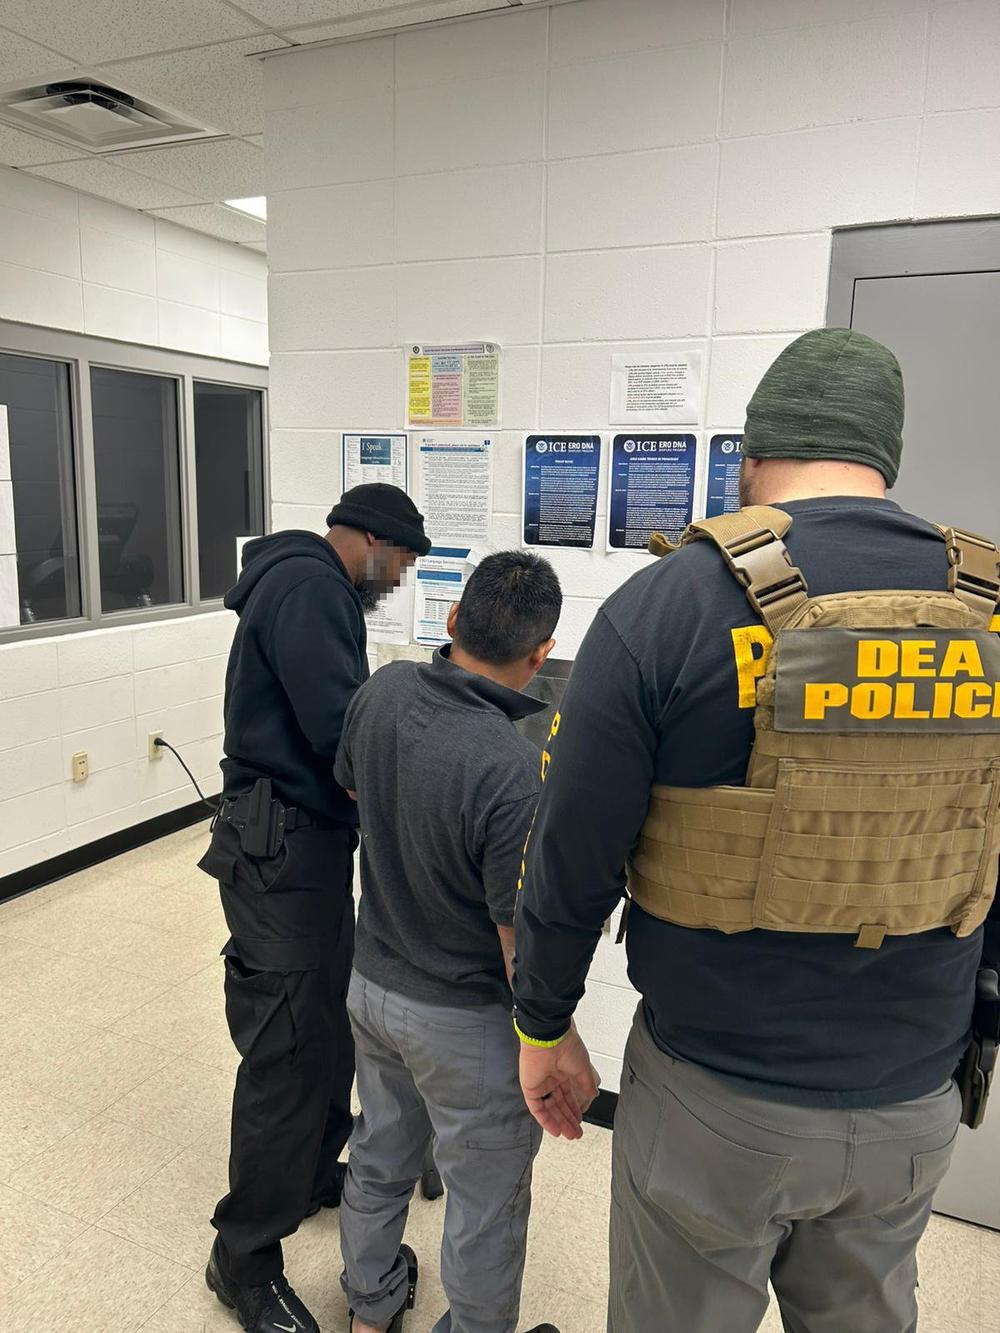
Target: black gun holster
{"type": "Point", "coordinates": [260, 820]}
{"type": "Point", "coordinates": [975, 1072]}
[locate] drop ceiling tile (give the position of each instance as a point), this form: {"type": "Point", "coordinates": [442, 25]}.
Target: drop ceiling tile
{"type": "Point", "coordinates": [287, 13]}
{"type": "Point", "coordinates": [216, 221]}
{"type": "Point", "coordinates": [110, 181]}
{"type": "Point", "coordinates": [24, 60]}
{"type": "Point", "coordinates": [218, 86]}
{"type": "Point", "coordinates": [366, 20]}
{"type": "Point", "coordinates": [18, 149]}
{"type": "Point", "coordinates": [216, 170]}
{"type": "Point", "coordinates": [115, 29]}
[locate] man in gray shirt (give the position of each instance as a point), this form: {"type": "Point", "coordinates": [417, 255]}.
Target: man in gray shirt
{"type": "Point", "coordinates": [446, 789]}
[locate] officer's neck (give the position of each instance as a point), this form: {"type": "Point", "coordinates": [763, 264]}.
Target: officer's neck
{"type": "Point", "coordinates": [777, 479]}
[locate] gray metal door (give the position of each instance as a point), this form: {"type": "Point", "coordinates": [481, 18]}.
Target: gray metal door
{"type": "Point", "coordinates": [932, 294]}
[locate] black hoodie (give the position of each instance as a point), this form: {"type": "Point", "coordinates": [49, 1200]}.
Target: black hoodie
{"type": "Point", "coordinates": [297, 659]}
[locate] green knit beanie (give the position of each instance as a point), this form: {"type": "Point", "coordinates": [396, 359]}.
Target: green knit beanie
{"type": "Point", "coordinates": [831, 394]}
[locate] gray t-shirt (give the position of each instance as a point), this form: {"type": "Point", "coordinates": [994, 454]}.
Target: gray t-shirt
{"type": "Point", "coordinates": [446, 789]}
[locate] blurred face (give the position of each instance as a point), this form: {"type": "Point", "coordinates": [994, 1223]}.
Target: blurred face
{"type": "Point", "coordinates": [385, 569]}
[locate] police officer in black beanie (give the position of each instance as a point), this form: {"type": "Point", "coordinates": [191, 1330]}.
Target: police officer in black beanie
{"type": "Point", "coordinates": [283, 852]}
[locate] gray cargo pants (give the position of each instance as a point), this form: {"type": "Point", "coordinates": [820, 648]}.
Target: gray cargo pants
{"type": "Point", "coordinates": [714, 1191]}
{"type": "Point", "coordinates": [425, 1068]}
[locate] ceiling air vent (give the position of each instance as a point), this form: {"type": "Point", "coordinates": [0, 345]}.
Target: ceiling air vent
{"type": "Point", "coordinates": [86, 113]}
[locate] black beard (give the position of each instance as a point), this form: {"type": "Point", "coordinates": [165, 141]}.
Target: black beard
{"type": "Point", "coordinates": [369, 597]}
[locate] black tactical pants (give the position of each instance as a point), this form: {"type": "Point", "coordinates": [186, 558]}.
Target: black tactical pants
{"type": "Point", "coordinates": [288, 964]}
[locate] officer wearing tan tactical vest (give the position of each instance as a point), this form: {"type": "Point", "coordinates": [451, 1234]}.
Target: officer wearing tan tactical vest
{"type": "Point", "coordinates": [785, 737]}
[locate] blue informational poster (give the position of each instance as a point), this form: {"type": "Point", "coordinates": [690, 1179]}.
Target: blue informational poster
{"type": "Point", "coordinates": [562, 474]}
{"type": "Point", "coordinates": [652, 488]}
{"type": "Point", "coordinates": [441, 578]}
{"type": "Point", "coordinates": [725, 454]}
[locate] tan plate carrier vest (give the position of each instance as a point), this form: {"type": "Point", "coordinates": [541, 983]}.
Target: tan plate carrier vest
{"type": "Point", "coordinates": [863, 832]}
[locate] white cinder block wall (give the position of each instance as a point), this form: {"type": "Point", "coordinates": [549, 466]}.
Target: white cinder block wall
{"type": "Point", "coordinates": [71, 261]}
{"type": "Point", "coordinates": [596, 177]}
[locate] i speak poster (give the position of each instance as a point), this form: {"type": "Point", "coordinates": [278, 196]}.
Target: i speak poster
{"type": "Point", "coordinates": [455, 384]}
{"type": "Point", "coordinates": [373, 457]}
{"type": "Point", "coordinates": [561, 476]}
{"type": "Point", "coordinates": [651, 488]}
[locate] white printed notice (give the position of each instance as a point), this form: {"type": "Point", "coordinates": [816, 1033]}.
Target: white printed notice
{"type": "Point", "coordinates": [391, 620]}
{"type": "Point", "coordinates": [454, 486]}
{"type": "Point", "coordinates": [663, 390]}
{"type": "Point", "coordinates": [440, 582]}
{"type": "Point", "coordinates": [368, 458]}
{"type": "Point", "coordinates": [457, 384]}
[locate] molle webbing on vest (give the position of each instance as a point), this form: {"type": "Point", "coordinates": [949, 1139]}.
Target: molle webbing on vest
{"type": "Point", "coordinates": [832, 849]}
{"type": "Point", "coordinates": [861, 833]}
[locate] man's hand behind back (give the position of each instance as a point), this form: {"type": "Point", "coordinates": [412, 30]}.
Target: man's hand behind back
{"type": "Point", "coordinates": [559, 1085]}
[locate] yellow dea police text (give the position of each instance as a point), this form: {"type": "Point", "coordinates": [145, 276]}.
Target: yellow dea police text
{"type": "Point", "coordinates": [888, 680]}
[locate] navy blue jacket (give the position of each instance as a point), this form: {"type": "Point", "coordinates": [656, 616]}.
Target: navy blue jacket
{"type": "Point", "coordinates": [653, 698]}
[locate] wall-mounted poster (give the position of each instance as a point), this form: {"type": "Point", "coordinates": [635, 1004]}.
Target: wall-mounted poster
{"type": "Point", "coordinates": [453, 485]}
{"type": "Point", "coordinates": [455, 384]}
{"type": "Point", "coordinates": [658, 390]}
{"type": "Point", "coordinates": [440, 582]}
{"type": "Point", "coordinates": [373, 457]}
{"type": "Point", "coordinates": [651, 488]}
{"type": "Point", "coordinates": [561, 478]}
{"type": "Point", "coordinates": [391, 620]}
{"type": "Point", "coordinates": [725, 456]}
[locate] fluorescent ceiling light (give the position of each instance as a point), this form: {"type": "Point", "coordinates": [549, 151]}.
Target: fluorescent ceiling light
{"type": "Point", "coordinates": [254, 208]}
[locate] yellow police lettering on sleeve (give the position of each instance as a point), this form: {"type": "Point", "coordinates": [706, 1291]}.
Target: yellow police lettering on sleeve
{"type": "Point", "coordinates": [546, 760]}
{"type": "Point", "coordinates": [546, 753]}
{"type": "Point", "coordinates": [904, 680]}
{"type": "Point", "coordinates": [751, 645]}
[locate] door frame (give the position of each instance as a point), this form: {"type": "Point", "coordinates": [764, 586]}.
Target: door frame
{"type": "Point", "coordinates": [906, 249]}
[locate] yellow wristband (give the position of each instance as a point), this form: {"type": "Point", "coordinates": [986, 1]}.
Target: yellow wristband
{"type": "Point", "coordinates": [542, 1045]}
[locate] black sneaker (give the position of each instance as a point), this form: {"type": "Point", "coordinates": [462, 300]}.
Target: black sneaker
{"type": "Point", "coordinates": [331, 1196]}
{"type": "Point", "coordinates": [272, 1308]}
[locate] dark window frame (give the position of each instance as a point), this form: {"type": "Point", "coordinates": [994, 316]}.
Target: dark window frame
{"type": "Point", "coordinates": [80, 352]}
{"type": "Point", "coordinates": [68, 488]}
{"type": "Point", "coordinates": [257, 497]}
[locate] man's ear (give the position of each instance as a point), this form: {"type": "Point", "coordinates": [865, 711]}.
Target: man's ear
{"type": "Point", "coordinates": [452, 619]}
{"type": "Point", "coordinates": [538, 657]}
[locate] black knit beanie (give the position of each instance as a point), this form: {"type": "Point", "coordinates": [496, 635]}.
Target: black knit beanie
{"type": "Point", "coordinates": [831, 394]}
{"type": "Point", "coordinates": [386, 512]}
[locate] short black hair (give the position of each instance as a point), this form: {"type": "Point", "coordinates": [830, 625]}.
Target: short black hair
{"type": "Point", "coordinates": [511, 604]}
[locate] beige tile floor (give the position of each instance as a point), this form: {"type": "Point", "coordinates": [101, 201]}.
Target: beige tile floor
{"type": "Point", "coordinates": [115, 1078]}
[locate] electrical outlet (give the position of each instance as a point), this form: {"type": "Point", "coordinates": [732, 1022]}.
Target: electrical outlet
{"type": "Point", "coordinates": [81, 766]}
{"type": "Point", "coordinates": [155, 751]}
